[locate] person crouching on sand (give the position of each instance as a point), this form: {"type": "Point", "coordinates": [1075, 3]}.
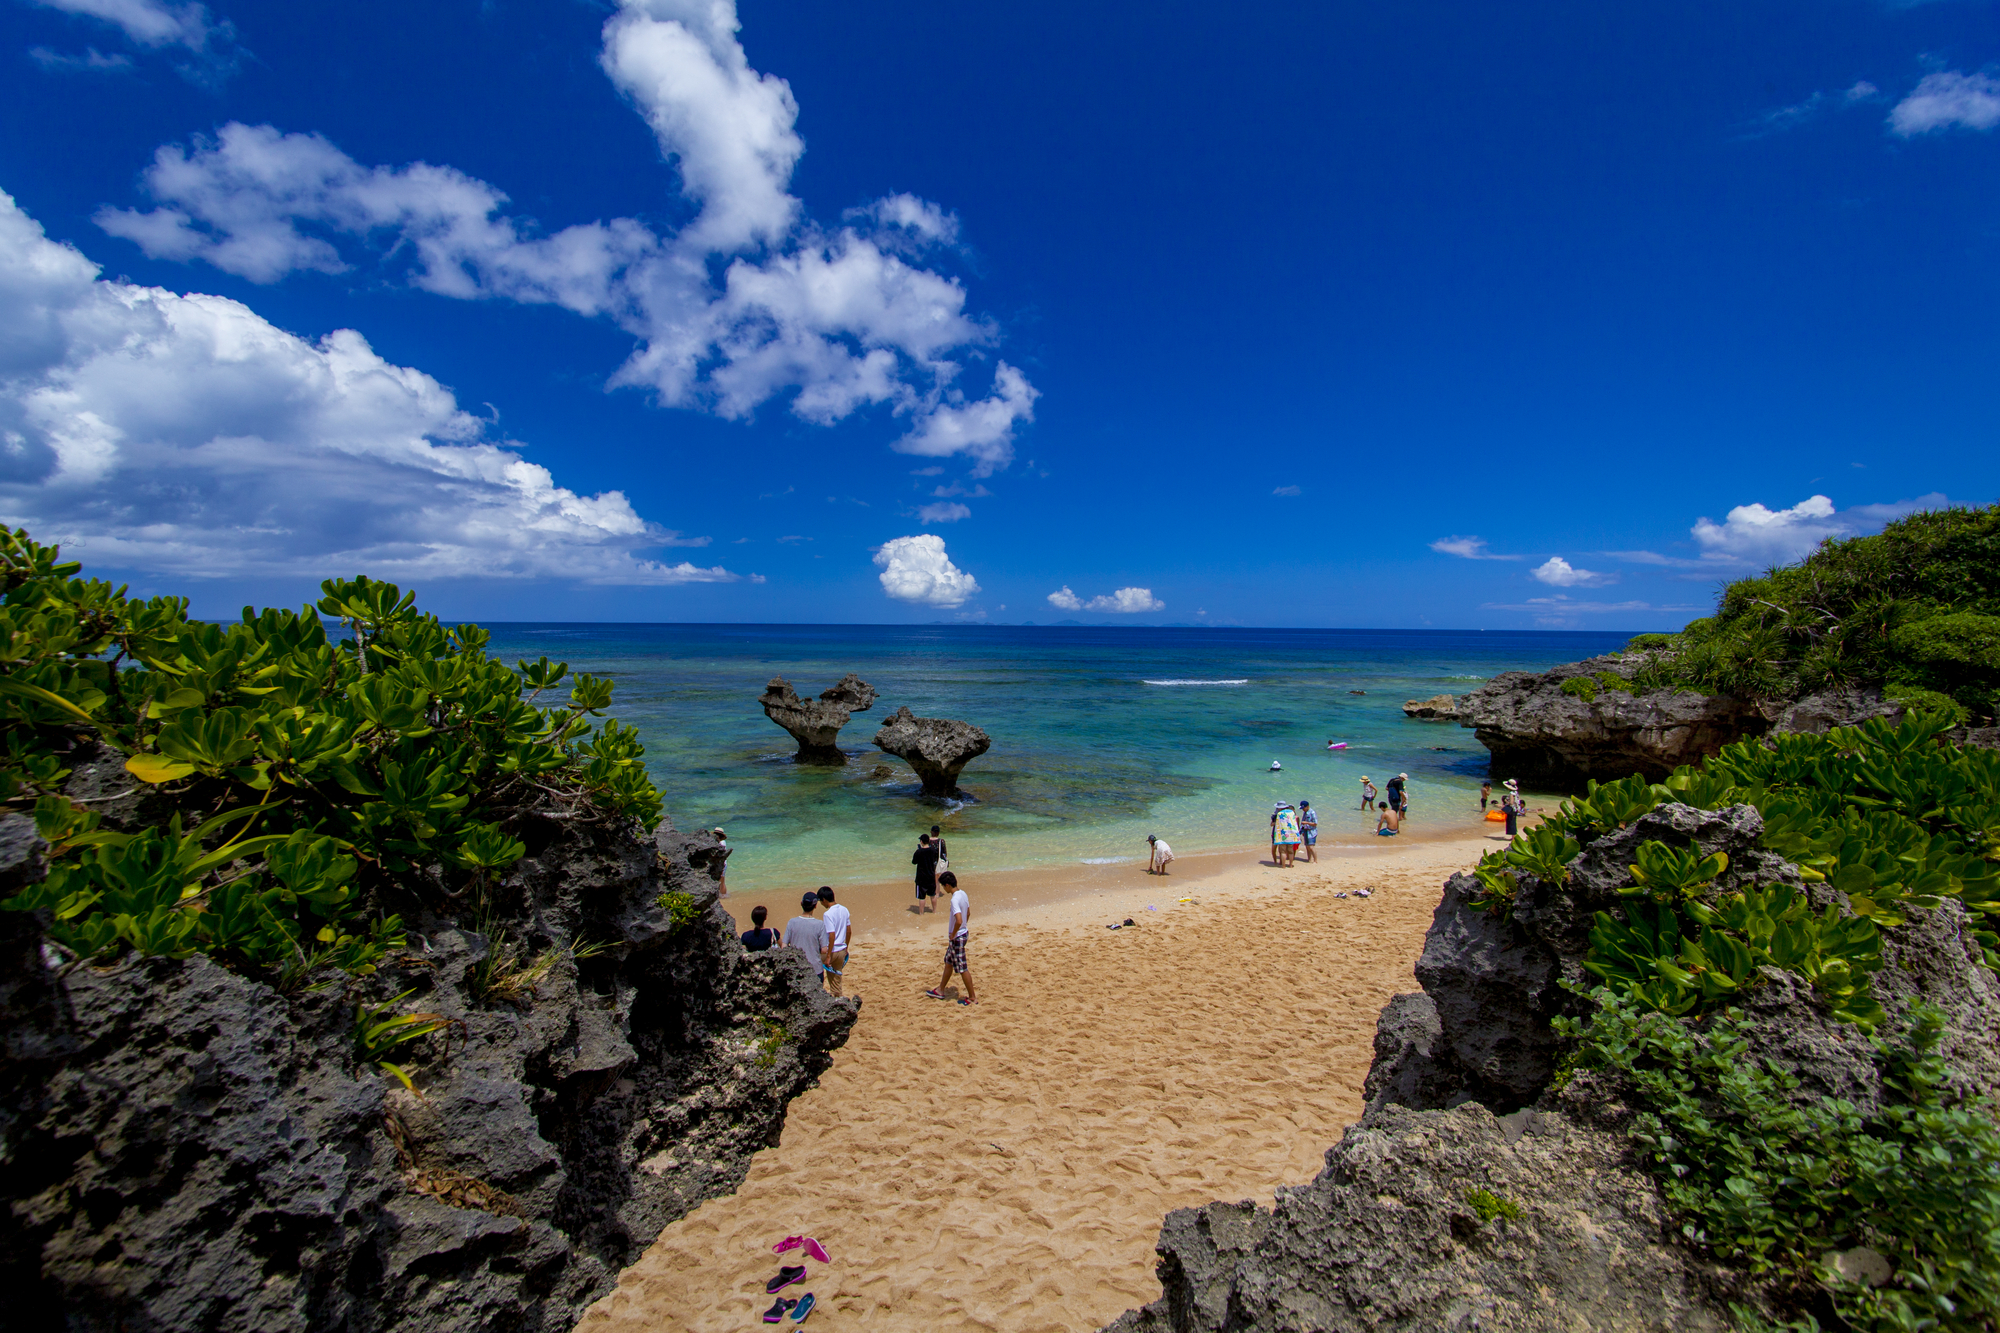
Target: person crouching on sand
{"type": "Point", "coordinates": [1388, 822]}
{"type": "Point", "coordinates": [956, 929]}
{"type": "Point", "coordinates": [1156, 864]}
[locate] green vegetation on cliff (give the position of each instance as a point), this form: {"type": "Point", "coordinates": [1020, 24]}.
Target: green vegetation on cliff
{"type": "Point", "coordinates": [1914, 609]}
{"type": "Point", "coordinates": [299, 791]}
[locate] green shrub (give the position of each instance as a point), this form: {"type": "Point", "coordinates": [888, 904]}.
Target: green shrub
{"type": "Point", "coordinates": [1772, 1185]}
{"type": "Point", "coordinates": [1581, 687]}
{"type": "Point", "coordinates": [1490, 1205]}
{"type": "Point", "coordinates": [680, 910]}
{"type": "Point", "coordinates": [339, 769]}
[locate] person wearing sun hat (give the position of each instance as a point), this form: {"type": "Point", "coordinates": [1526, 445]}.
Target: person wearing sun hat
{"type": "Point", "coordinates": [721, 863]}
{"type": "Point", "coordinates": [1510, 805]}
{"type": "Point", "coordinates": [1367, 793]}
{"type": "Point", "coordinates": [1394, 792]}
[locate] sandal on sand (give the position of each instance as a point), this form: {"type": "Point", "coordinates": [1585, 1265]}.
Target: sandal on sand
{"type": "Point", "coordinates": [935, 994]}
{"type": "Point", "coordinates": [777, 1312]}
{"type": "Point", "coordinates": [786, 1277]}
{"type": "Point", "coordinates": [814, 1250]}
{"type": "Point", "coordinates": [805, 1307]}
{"type": "Point", "coordinates": [788, 1243]}
{"type": "Point", "coordinates": [965, 1002]}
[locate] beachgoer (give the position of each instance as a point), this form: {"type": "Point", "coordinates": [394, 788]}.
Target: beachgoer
{"type": "Point", "coordinates": [837, 921]}
{"type": "Point", "coordinates": [1277, 767]}
{"type": "Point", "coordinates": [925, 860]}
{"type": "Point", "coordinates": [721, 863]}
{"type": "Point", "coordinates": [955, 932]}
{"type": "Point", "coordinates": [1309, 829]}
{"type": "Point", "coordinates": [1367, 794]}
{"type": "Point", "coordinates": [1389, 821]}
{"type": "Point", "coordinates": [760, 936]}
{"type": "Point", "coordinates": [937, 841]}
{"type": "Point", "coordinates": [1156, 864]}
{"type": "Point", "coordinates": [1395, 791]}
{"type": "Point", "coordinates": [807, 933]}
{"type": "Point", "coordinates": [1485, 794]}
{"type": "Point", "coordinates": [1284, 833]}
{"type": "Point", "coordinates": [1511, 805]}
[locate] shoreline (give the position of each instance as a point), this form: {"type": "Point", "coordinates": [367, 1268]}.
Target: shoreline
{"type": "Point", "coordinates": [887, 909]}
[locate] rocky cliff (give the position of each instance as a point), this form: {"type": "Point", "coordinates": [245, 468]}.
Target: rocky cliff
{"type": "Point", "coordinates": [1479, 1190]}
{"type": "Point", "coordinates": [182, 1148]}
{"type": "Point", "coordinates": [815, 723]}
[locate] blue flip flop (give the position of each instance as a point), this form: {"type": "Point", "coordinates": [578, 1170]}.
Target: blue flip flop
{"type": "Point", "coordinates": [804, 1308]}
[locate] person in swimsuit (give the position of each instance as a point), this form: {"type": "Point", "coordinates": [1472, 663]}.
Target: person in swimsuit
{"type": "Point", "coordinates": [1367, 794]}
{"type": "Point", "coordinates": [1485, 795]}
{"type": "Point", "coordinates": [1388, 822]}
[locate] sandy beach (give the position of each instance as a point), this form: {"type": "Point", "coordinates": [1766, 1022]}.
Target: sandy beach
{"type": "Point", "coordinates": [1006, 1165]}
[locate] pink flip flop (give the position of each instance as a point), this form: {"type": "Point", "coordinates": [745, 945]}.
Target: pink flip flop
{"type": "Point", "coordinates": [814, 1250]}
{"type": "Point", "coordinates": [789, 1243]}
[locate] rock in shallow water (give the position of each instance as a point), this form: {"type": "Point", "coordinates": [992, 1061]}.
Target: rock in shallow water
{"type": "Point", "coordinates": [815, 723]}
{"type": "Point", "coordinates": [937, 748]}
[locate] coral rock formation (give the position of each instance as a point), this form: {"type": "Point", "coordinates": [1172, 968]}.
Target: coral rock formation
{"type": "Point", "coordinates": [186, 1148]}
{"type": "Point", "coordinates": [815, 723]}
{"type": "Point", "coordinates": [1439, 707]}
{"type": "Point", "coordinates": [1464, 1110]}
{"type": "Point", "coordinates": [937, 748]}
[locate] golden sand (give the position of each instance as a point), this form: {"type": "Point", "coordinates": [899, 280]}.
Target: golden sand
{"type": "Point", "coordinates": [1006, 1165]}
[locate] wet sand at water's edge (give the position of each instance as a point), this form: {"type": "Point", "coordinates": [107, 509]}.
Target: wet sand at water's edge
{"type": "Point", "coordinates": [1006, 1165]}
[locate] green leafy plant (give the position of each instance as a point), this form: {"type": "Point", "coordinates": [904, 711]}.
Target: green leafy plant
{"type": "Point", "coordinates": [1490, 1206]}
{"type": "Point", "coordinates": [680, 910]}
{"type": "Point", "coordinates": [1540, 851]}
{"type": "Point", "coordinates": [358, 763]}
{"type": "Point", "coordinates": [1770, 1181]}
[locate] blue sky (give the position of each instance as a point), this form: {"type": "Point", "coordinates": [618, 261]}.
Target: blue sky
{"type": "Point", "coordinates": [1430, 314]}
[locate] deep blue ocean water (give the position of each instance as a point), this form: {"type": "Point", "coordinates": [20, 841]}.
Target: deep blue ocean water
{"type": "Point", "coordinates": [1100, 735]}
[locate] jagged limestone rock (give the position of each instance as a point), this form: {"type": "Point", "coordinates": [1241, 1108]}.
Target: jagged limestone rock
{"type": "Point", "coordinates": [1439, 707]}
{"type": "Point", "coordinates": [815, 723]}
{"type": "Point", "coordinates": [937, 748]}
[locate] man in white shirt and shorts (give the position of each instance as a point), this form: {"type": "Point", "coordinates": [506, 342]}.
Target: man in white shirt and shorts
{"type": "Point", "coordinates": [836, 922]}
{"type": "Point", "coordinates": [957, 927]}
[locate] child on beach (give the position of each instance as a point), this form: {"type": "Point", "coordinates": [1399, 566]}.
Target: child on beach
{"type": "Point", "coordinates": [807, 934]}
{"type": "Point", "coordinates": [837, 922]}
{"type": "Point", "coordinates": [1388, 822]}
{"type": "Point", "coordinates": [760, 936]}
{"type": "Point", "coordinates": [1309, 828]}
{"type": "Point", "coordinates": [955, 932]}
{"type": "Point", "coordinates": [1156, 864]}
{"type": "Point", "coordinates": [1485, 794]}
{"type": "Point", "coordinates": [1367, 794]}
{"type": "Point", "coordinates": [925, 860]}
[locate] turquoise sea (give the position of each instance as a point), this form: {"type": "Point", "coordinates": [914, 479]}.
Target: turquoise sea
{"type": "Point", "coordinates": [1100, 735]}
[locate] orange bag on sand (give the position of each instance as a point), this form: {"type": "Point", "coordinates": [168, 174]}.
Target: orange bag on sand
{"type": "Point", "coordinates": [1496, 816]}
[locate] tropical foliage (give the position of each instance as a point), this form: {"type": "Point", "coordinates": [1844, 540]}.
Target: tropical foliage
{"type": "Point", "coordinates": [1915, 609]}
{"type": "Point", "coordinates": [305, 787]}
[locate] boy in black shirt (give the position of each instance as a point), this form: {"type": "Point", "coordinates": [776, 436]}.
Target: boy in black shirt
{"type": "Point", "coordinates": [925, 860]}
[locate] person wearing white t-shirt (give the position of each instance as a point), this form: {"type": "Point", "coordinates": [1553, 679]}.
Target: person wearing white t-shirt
{"type": "Point", "coordinates": [836, 921]}
{"type": "Point", "coordinates": [957, 927]}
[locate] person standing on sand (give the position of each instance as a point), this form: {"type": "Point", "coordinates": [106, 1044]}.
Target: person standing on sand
{"type": "Point", "coordinates": [925, 860]}
{"type": "Point", "coordinates": [1156, 864]}
{"type": "Point", "coordinates": [837, 922]}
{"type": "Point", "coordinates": [1367, 794]}
{"type": "Point", "coordinates": [1510, 804]}
{"type": "Point", "coordinates": [1485, 794]}
{"type": "Point", "coordinates": [807, 934]}
{"type": "Point", "coordinates": [955, 932]}
{"type": "Point", "coordinates": [1389, 822]}
{"type": "Point", "coordinates": [760, 936]}
{"type": "Point", "coordinates": [722, 863]}
{"type": "Point", "coordinates": [1309, 829]}
{"type": "Point", "coordinates": [1284, 833]}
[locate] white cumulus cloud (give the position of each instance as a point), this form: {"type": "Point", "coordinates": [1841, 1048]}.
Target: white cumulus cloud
{"type": "Point", "coordinates": [916, 569]}
{"type": "Point", "coordinates": [1948, 98]}
{"type": "Point", "coordinates": [1470, 548]}
{"type": "Point", "coordinates": [1559, 573]}
{"type": "Point", "coordinates": [1753, 534]}
{"type": "Point", "coordinates": [1126, 601]}
{"type": "Point", "coordinates": [185, 434]}
{"type": "Point", "coordinates": [748, 303]}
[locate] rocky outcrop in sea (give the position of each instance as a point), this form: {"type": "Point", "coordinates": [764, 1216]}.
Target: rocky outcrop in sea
{"type": "Point", "coordinates": [937, 748]}
{"type": "Point", "coordinates": [815, 723]}
{"type": "Point", "coordinates": [1437, 708]}
{"type": "Point", "coordinates": [1464, 1107]}
{"type": "Point", "coordinates": [183, 1148]}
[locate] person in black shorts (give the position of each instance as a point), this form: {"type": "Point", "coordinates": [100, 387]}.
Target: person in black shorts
{"type": "Point", "coordinates": [925, 860]}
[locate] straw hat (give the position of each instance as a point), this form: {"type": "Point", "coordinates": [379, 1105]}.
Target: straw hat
{"type": "Point", "coordinates": [1511, 785]}
{"type": "Point", "coordinates": [1404, 776]}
